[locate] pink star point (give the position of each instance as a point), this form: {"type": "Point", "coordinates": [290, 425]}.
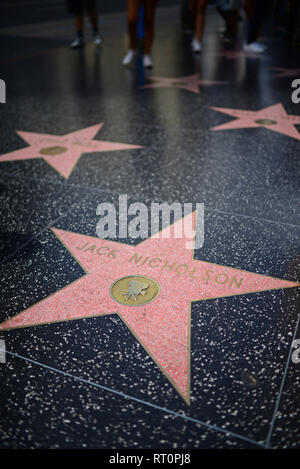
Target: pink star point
{"type": "Point", "coordinates": [273, 117]}
{"type": "Point", "coordinates": [68, 148]}
{"type": "Point", "coordinates": [238, 54]}
{"type": "Point", "coordinates": [190, 83]}
{"type": "Point", "coordinates": [163, 326]}
{"type": "Point", "coordinates": [286, 72]}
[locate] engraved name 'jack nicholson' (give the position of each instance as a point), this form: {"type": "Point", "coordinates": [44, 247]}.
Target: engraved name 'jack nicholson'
{"type": "Point", "coordinates": [134, 290]}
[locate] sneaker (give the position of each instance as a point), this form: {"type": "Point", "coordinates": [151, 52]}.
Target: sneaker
{"type": "Point", "coordinates": [98, 39]}
{"type": "Point", "coordinates": [254, 47]}
{"type": "Point", "coordinates": [263, 46]}
{"type": "Point", "coordinates": [196, 45]}
{"type": "Point", "coordinates": [147, 61]}
{"type": "Point", "coordinates": [129, 57]}
{"type": "Point", "coordinates": [77, 43]}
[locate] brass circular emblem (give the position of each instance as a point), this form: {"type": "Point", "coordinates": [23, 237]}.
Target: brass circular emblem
{"type": "Point", "coordinates": [52, 151]}
{"type": "Point", "coordinates": [134, 290]}
{"type": "Point", "coordinates": [265, 122]}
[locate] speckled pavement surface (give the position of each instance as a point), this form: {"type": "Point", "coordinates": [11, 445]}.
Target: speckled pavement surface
{"type": "Point", "coordinates": [219, 373]}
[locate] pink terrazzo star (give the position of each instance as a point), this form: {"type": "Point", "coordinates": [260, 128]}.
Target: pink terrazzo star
{"type": "Point", "coordinates": [63, 152]}
{"type": "Point", "coordinates": [236, 54]}
{"type": "Point", "coordinates": [286, 72]}
{"type": "Point", "coordinates": [161, 326]}
{"type": "Point", "coordinates": [270, 39]}
{"type": "Point", "coordinates": [189, 83]}
{"type": "Point", "coordinates": [273, 118]}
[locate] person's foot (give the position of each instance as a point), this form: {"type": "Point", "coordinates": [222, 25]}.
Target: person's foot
{"type": "Point", "coordinates": [77, 42]}
{"type": "Point", "coordinates": [254, 47]}
{"type": "Point", "coordinates": [263, 46]}
{"type": "Point", "coordinates": [147, 61]}
{"type": "Point", "coordinates": [129, 57]}
{"type": "Point", "coordinates": [196, 45]}
{"type": "Point", "coordinates": [97, 39]}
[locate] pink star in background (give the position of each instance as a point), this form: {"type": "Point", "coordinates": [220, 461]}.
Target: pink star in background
{"type": "Point", "coordinates": [236, 54]}
{"type": "Point", "coordinates": [286, 72]}
{"type": "Point", "coordinates": [189, 83]}
{"type": "Point", "coordinates": [163, 326]}
{"type": "Point", "coordinates": [270, 39]}
{"type": "Point", "coordinates": [63, 152]}
{"type": "Point", "coordinates": [273, 118]}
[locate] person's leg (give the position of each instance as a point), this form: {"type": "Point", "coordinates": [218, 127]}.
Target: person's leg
{"type": "Point", "coordinates": [79, 23]}
{"type": "Point", "coordinates": [76, 6]}
{"type": "Point", "coordinates": [296, 32]}
{"type": "Point", "coordinates": [93, 16]}
{"type": "Point", "coordinates": [200, 18]}
{"type": "Point", "coordinates": [92, 13]}
{"type": "Point", "coordinates": [198, 8]}
{"type": "Point", "coordinates": [249, 8]}
{"type": "Point", "coordinates": [231, 18]}
{"type": "Point", "coordinates": [133, 8]}
{"type": "Point", "coordinates": [150, 6]}
{"type": "Point", "coordinates": [260, 13]}
{"type": "Point", "coordinates": [229, 10]}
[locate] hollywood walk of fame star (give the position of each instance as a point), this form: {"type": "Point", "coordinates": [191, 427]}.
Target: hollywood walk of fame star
{"type": "Point", "coordinates": [270, 39]}
{"type": "Point", "coordinates": [286, 72]}
{"type": "Point", "coordinates": [236, 54]}
{"type": "Point", "coordinates": [189, 83]}
{"type": "Point", "coordinates": [273, 118]}
{"type": "Point", "coordinates": [63, 152]}
{"type": "Point", "coordinates": [168, 279]}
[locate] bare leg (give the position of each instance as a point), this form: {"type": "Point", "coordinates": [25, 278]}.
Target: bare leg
{"type": "Point", "coordinates": [93, 19]}
{"type": "Point", "coordinates": [150, 6]}
{"type": "Point", "coordinates": [79, 23]}
{"type": "Point", "coordinates": [249, 8]}
{"type": "Point", "coordinates": [133, 8]}
{"type": "Point", "coordinates": [198, 8]}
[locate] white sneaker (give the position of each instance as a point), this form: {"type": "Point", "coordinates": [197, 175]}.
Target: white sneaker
{"type": "Point", "coordinates": [196, 45]}
{"type": "Point", "coordinates": [254, 47]}
{"type": "Point", "coordinates": [147, 61]}
{"type": "Point", "coordinates": [98, 39]}
{"type": "Point", "coordinates": [263, 46]}
{"type": "Point", "coordinates": [77, 43]}
{"type": "Point", "coordinates": [129, 57]}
